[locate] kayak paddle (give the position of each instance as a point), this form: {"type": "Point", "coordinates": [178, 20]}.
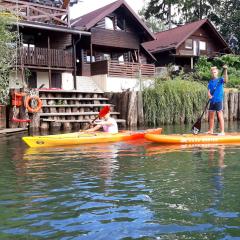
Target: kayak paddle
{"type": "Point", "coordinates": [105, 110]}
{"type": "Point", "coordinates": [196, 128]}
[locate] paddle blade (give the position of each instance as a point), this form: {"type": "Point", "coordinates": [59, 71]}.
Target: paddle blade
{"type": "Point", "coordinates": [196, 128]}
{"type": "Point", "coordinates": [105, 110]}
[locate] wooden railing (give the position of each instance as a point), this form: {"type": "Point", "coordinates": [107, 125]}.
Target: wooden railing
{"type": "Point", "coordinates": [36, 12]}
{"type": "Point", "coordinates": [130, 69]}
{"type": "Point", "coordinates": [122, 69]}
{"type": "Point", "coordinates": [45, 57]}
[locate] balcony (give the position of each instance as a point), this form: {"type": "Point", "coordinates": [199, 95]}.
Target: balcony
{"type": "Point", "coordinates": [122, 69]}
{"type": "Point", "coordinates": [45, 58]}
{"type": "Point", "coordinates": [36, 12]}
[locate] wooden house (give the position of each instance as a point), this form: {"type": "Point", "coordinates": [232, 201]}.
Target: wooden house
{"type": "Point", "coordinates": [184, 44]}
{"type": "Point", "coordinates": [114, 57]}
{"type": "Point", "coordinates": [46, 53]}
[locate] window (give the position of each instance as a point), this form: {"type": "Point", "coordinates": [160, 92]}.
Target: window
{"type": "Point", "coordinates": [106, 56]}
{"type": "Point", "coordinates": [32, 80]}
{"type": "Point", "coordinates": [120, 24]}
{"type": "Point", "coordinates": [189, 43]}
{"type": "Point", "coordinates": [202, 45]}
{"type": "Point", "coordinates": [121, 59]}
{"type": "Point", "coordinates": [87, 57]}
{"type": "Point", "coordinates": [109, 23]}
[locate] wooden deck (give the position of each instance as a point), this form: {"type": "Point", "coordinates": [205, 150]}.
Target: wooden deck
{"type": "Point", "coordinates": [122, 69]}
{"type": "Point", "coordinates": [8, 131]}
{"type": "Point", "coordinates": [35, 56]}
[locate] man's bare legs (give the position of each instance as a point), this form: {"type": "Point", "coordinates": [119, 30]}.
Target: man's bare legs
{"type": "Point", "coordinates": [221, 121]}
{"type": "Point", "coordinates": [211, 122]}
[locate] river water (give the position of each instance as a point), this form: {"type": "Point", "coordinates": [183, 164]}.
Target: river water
{"type": "Point", "coordinates": [125, 190]}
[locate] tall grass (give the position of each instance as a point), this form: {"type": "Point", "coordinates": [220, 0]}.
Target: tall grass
{"type": "Point", "coordinates": [173, 101]}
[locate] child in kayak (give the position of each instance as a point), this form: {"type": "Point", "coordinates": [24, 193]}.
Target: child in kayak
{"type": "Point", "coordinates": [108, 124]}
{"type": "Point", "coordinates": [216, 94]}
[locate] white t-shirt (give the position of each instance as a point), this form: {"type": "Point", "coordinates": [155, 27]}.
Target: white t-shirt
{"type": "Point", "coordinates": [113, 128]}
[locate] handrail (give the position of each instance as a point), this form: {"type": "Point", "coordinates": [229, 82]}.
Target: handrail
{"type": "Point", "coordinates": [45, 57]}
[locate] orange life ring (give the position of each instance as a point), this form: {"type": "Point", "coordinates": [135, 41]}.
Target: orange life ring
{"type": "Point", "coordinates": [29, 108]}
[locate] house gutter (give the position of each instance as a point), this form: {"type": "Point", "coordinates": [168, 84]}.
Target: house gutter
{"type": "Point", "coordinates": [52, 28]}
{"type": "Point", "coordinates": [74, 59]}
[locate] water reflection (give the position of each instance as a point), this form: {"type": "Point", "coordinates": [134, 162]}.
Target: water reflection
{"type": "Point", "coordinates": [131, 190]}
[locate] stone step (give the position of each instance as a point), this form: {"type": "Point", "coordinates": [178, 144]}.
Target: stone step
{"type": "Point", "coordinates": [77, 105]}
{"type": "Point", "coordinates": [73, 114]}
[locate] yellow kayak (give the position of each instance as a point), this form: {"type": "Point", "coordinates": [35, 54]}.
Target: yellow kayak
{"type": "Point", "coordinates": [193, 139]}
{"type": "Point", "coordinates": [85, 137]}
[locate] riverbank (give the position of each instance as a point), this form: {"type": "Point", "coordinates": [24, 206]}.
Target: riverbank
{"type": "Point", "coordinates": [139, 109]}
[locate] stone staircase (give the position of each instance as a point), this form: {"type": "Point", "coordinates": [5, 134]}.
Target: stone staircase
{"type": "Point", "coordinates": [73, 109]}
{"type": "Point", "coordinates": [87, 85]}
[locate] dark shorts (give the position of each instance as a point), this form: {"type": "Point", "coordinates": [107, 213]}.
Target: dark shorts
{"type": "Point", "coordinates": [217, 106]}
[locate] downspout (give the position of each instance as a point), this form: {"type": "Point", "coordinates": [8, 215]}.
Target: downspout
{"type": "Point", "coordinates": [74, 60]}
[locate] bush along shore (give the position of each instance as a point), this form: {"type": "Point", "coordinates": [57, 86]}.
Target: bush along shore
{"type": "Point", "coordinates": [180, 101]}
{"type": "Point", "coordinates": [173, 101]}
{"type": "Point", "coordinates": [156, 107]}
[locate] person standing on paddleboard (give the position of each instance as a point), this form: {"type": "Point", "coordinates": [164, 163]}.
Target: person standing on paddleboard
{"type": "Point", "coordinates": [216, 94]}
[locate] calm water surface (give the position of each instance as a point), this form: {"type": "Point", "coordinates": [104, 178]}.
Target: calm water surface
{"type": "Point", "coordinates": [127, 190]}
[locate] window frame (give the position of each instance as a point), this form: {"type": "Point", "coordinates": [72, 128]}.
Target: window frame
{"type": "Point", "coordinates": [187, 42]}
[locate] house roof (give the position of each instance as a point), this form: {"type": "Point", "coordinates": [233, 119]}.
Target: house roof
{"type": "Point", "coordinates": [88, 20]}
{"type": "Point", "coordinates": [173, 38]}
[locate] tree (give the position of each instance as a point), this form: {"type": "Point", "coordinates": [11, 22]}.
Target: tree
{"type": "Point", "coordinates": [227, 19]}
{"type": "Point", "coordinates": [225, 14]}
{"type": "Point", "coordinates": [179, 12]}
{"type": "Point", "coordinates": [7, 54]}
{"type": "Point", "coordinates": [163, 10]}
{"type": "Point", "coordinates": [152, 22]}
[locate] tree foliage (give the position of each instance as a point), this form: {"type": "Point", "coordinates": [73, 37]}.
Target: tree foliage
{"type": "Point", "coordinates": [7, 54]}
{"type": "Point", "coordinates": [152, 22]}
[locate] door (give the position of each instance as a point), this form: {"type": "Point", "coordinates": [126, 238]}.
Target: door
{"type": "Point", "coordinates": [32, 80]}
{"type": "Point", "coordinates": [56, 80]}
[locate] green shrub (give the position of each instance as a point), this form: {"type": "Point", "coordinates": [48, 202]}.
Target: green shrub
{"type": "Point", "coordinates": [203, 65]}
{"type": "Point", "coordinates": [173, 101]}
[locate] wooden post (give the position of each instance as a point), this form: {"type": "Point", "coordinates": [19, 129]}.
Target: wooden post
{"type": "Point", "coordinates": [225, 105]}
{"type": "Point", "coordinates": [192, 63]}
{"type": "Point", "coordinates": [140, 113]}
{"type": "Point", "coordinates": [49, 64]}
{"type": "Point", "coordinates": [132, 110]}
{"type": "Point", "coordinates": [91, 52]}
{"type": "Point", "coordinates": [74, 64]}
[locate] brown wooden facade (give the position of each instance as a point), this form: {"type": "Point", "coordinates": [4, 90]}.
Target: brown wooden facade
{"type": "Point", "coordinates": [183, 45]}
{"type": "Point", "coordinates": [115, 43]}
{"type": "Point", "coordinates": [47, 43]}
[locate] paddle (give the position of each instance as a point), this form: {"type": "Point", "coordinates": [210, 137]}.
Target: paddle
{"type": "Point", "coordinates": [101, 114]}
{"type": "Point", "coordinates": [196, 128]}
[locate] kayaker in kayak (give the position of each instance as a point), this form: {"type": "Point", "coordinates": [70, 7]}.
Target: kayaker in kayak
{"type": "Point", "coordinates": [215, 94]}
{"type": "Point", "coordinates": [108, 124]}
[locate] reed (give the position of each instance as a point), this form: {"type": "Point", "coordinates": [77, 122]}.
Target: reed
{"type": "Point", "coordinates": [173, 101]}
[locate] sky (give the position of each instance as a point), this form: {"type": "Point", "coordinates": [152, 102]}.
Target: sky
{"type": "Point", "coordinates": [86, 6]}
